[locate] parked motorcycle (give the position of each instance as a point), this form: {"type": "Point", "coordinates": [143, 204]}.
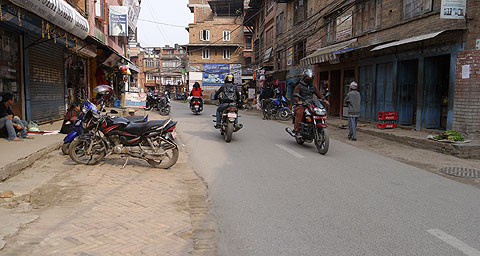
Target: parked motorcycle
{"type": "Point", "coordinates": [78, 130]}
{"type": "Point", "coordinates": [152, 101]}
{"type": "Point", "coordinates": [164, 106]}
{"type": "Point", "coordinates": [196, 105]}
{"type": "Point", "coordinates": [277, 107]}
{"type": "Point", "coordinates": [153, 141]}
{"type": "Point", "coordinates": [313, 127]}
{"type": "Point", "coordinates": [228, 126]}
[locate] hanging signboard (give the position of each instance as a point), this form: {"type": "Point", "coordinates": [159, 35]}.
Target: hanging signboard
{"type": "Point", "coordinates": [118, 20]}
{"type": "Point", "coordinates": [59, 13]}
{"type": "Point", "coordinates": [133, 12]}
{"type": "Point", "coordinates": [453, 9]}
{"type": "Point", "coordinates": [236, 71]}
{"type": "Point", "coordinates": [344, 26]}
{"type": "Point", "coordinates": [214, 74]}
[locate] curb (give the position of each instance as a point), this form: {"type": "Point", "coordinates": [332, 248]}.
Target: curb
{"type": "Point", "coordinates": [15, 168]}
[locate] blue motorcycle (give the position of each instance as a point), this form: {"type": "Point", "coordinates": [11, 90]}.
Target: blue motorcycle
{"type": "Point", "coordinates": [78, 129]}
{"type": "Point", "coordinates": [277, 107]}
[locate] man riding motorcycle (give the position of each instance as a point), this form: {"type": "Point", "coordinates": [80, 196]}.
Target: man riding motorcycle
{"type": "Point", "coordinates": [229, 94]}
{"type": "Point", "coordinates": [305, 89]}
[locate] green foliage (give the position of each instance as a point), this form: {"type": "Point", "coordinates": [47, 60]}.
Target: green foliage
{"type": "Point", "coordinates": [450, 135]}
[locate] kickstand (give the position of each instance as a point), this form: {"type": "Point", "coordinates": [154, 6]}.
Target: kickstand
{"type": "Point", "coordinates": [126, 162]}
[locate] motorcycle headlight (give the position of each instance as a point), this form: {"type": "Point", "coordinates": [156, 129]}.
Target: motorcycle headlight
{"type": "Point", "coordinates": [84, 109]}
{"type": "Point", "coordinates": [320, 111]}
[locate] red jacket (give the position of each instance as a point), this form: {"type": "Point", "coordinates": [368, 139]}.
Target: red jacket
{"type": "Point", "coordinates": [196, 92]}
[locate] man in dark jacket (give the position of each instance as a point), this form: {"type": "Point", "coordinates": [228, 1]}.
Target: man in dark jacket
{"type": "Point", "coordinates": [228, 94]}
{"type": "Point", "coordinates": [13, 124]}
{"type": "Point", "coordinates": [353, 102]}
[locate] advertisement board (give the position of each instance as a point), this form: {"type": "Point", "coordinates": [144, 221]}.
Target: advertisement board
{"type": "Point", "coordinates": [133, 12]}
{"type": "Point", "coordinates": [118, 20]}
{"type": "Point", "coordinates": [236, 71]}
{"type": "Point", "coordinates": [135, 100]}
{"type": "Point", "coordinates": [214, 74]}
{"type": "Point", "coordinates": [453, 9]}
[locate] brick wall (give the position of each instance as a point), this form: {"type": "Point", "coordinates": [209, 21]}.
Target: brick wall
{"type": "Point", "coordinates": [467, 94]}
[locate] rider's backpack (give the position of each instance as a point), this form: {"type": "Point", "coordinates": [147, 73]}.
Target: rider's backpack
{"type": "Point", "coordinates": [229, 93]}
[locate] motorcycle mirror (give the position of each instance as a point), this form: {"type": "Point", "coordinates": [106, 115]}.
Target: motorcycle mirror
{"type": "Point", "coordinates": [113, 111]}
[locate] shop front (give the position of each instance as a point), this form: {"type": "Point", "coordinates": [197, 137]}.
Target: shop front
{"type": "Point", "coordinates": [10, 68]}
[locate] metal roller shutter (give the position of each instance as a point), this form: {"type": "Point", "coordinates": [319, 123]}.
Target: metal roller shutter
{"type": "Point", "coordinates": [47, 81]}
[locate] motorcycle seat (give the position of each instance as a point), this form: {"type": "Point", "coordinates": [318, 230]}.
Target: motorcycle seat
{"type": "Point", "coordinates": [140, 128]}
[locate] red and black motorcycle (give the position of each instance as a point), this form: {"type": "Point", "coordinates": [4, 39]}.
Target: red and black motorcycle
{"type": "Point", "coordinates": [313, 127]}
{"type": "Point", "coordinates": [153, 141]}
{"type": "Point", "coordinates": [196, 105]}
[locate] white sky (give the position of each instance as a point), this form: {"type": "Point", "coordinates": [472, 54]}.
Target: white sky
{"type": "Point", "coordinates": [164, 11]}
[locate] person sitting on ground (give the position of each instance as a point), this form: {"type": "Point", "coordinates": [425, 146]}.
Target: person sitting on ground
{"type": "Point", "coordinates": [72, 115]}
{"type": "Point", "coordinates": [12, 123]}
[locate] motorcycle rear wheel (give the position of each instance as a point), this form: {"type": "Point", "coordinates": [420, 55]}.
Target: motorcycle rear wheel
{"type": "Point", "coordinates": [164, 111]}
{"type": "Point", "coordinates": [228, 132]}
{"type": "Point", "coordinates": [322, 141]}
{"type": "Point", "coordinates": [172, 159]}
{"type": "Point", "coordinates": [78, 148]}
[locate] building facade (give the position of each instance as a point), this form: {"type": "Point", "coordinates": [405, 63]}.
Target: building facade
{"type": "Point", "coordinates": [411, 56]}
{"type": "Point", "coordinates": [216, 42]}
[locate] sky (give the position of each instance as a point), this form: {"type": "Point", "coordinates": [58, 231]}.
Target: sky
{"type": "Point", "coordinates": [173, 12]}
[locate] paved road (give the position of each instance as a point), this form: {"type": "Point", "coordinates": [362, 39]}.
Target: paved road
{"type": "Point", "coordinates": [273, 201]}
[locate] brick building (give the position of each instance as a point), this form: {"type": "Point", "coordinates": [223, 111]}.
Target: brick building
{"type": "Point", "coordinates": [216, 40]}
{"type": "Point", "coordinates": [408, 56]}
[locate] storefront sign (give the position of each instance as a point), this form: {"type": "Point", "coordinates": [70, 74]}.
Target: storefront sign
{"type": "Point", "coordinates": [453, 9]}
{"type": "Point", "coordinates": [133, 11]}
{"type": "Point", "coordinates": [344, 26]}
{"type": "Point", "coordinates": [290, 56]}
{"type": "Point", "coordinates": [118, 20]}
{"type": "Point", "coordinates": [214, 74]}
{"type": "Point", "coordinates": [465, 71]}
{"type": "Point", "coordinates": [134, 99]}
{"type": "Point", "coordinates": [236, 71]}
{"type": "Point", "coordinates": [100, 35]}
{"type": "Point", "coordinates": [59, 13]}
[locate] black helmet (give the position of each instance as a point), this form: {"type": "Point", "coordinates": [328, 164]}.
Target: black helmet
{"type": "Point", "coordinates": [229, 78]}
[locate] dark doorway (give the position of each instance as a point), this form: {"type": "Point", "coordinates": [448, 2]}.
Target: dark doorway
{"type": "Point", "coordinates": [384, 88]}
{"type": "Point", "coordinates": [406, 87]}
{"type": "Point", "coordinates": [335, 89]}
{"type": "Point", "coordinates": [436, 80]}
{"type": "Point", "coordinates": [366, 77]}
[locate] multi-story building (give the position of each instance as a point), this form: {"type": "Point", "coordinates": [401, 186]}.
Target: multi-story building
{"type": "Point", "coordinates": [415, 57]}
{"type": "Point", "coordinates": [51, 59]}
{"type": "Point", "coordinates": [172, 69]}
{"type": "Point", "coordinates": [216, 42]}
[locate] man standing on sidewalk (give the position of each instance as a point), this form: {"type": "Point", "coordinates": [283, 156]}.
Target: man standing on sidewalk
{"type": "Point", "coordinates": [353, 102]}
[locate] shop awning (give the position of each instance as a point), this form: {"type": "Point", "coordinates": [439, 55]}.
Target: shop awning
{"type": "Point", "coordinates": [408, 40]}
{"type": "Point", "coordinates": [329, 53]}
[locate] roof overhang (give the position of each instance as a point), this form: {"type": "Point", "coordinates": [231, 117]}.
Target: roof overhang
{"type": "Point", "coordinates": [329, 53]}
{"type": "Point", "coordinates": [408, 40]}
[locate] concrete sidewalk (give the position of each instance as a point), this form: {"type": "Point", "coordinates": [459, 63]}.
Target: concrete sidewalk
{"type": "Point", "coordinates": [17, 155]}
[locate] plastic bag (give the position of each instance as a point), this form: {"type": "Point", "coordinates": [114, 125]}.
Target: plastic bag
{"type": "Point", "coordinates": [32, 127]}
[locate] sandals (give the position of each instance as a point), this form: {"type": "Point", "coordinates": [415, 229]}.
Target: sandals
{"type": "Point", "coordinates": [16, 139]}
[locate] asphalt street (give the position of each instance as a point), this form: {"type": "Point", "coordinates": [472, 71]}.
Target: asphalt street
{"type": "Point", "coordinates": [271, 196]}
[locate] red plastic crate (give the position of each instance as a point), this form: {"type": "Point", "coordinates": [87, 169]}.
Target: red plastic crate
{"type": "Point", "coordinates": [386, 115]}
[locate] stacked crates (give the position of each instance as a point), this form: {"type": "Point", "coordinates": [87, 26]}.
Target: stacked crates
{"type": "Point", "coordinates": [387, 119]}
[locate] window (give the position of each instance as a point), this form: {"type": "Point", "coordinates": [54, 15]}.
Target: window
{"type": "Point", "coordinates": [226, 54]}
{"type": "Point", "coordinates": [150, 77]}
{"type": "Point", "coordinates": [170, 64]}
{"type": "Point", "coordinates": [205, 35]}
{"type": "Point", "coordinates": [269, 38]}
{"type": "Point", "coordinates": [299, 11]}
{"type": "Point", "coordinates": [367, 16]}
{"type": "Point", "coordinates": [279, 21]}
{"type": "Point", "coordinates": [158, 63]}
{"type": "Point", "coordinates": [299, 52]}
{"type": "Point", "coordinates": [412, 8]}
{"type": "Point", "coordinates": [226, 35]}
{"type": "Point", "coordinates": [206, 54]}
{"type": "Point", "coordinates": [248, 42]}
{"type": "Point", "coordinates": [100, 9]}
{"type": "Point", "coordinates": [149, 63]}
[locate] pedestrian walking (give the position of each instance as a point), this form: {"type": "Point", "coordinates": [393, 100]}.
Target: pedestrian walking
{"type": "Point", "coordinates": [352, 101]}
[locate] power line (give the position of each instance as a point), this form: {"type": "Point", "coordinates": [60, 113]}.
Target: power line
{"type": "Point", "coordinates": [161, 23]}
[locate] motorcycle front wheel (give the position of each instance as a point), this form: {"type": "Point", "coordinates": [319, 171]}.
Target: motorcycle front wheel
{"type": "Point", "coordinates": [284, 114]}
{"type": "Point", "coordinates": [65, 147]}
{"type": "Point", "coordinates": [228, 132]}
{"type": "Point", "coordinates": [78, 152]}
{"type": "Point", "coordinates": [322, 141]}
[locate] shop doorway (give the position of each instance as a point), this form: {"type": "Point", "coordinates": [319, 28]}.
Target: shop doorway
{"type": "Point", "coordinates": [335, 89]}
{"type": "Point", "coordinates": [384, 88]}
{"type": "Point", "coordinates": [366, 75]}
{"type": "Point", "coordinates": [436, 81]}
{"type": "Point", "coordinates": [406, 87]}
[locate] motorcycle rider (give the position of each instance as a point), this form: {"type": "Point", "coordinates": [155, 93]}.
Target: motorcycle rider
{"type": "Point", "coordinates": [196, 92]}
{"type": "Point", "coordinates": [306, 89]}
{"type": "Point", "coordinates": [229, 94]}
